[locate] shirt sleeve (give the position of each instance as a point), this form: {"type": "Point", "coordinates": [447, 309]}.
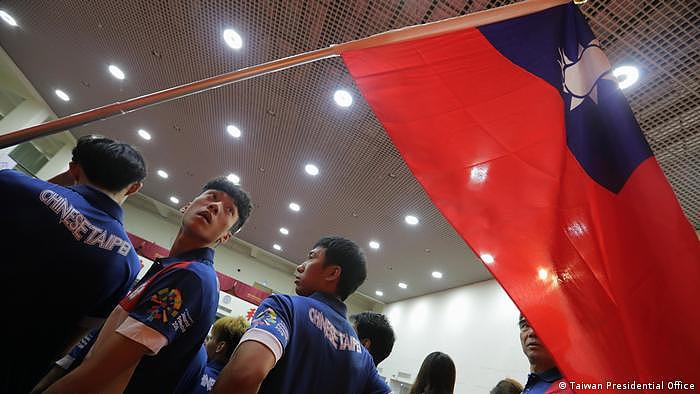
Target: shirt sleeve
{"type": "Point", "coordinates": [170, 305]}
{"type": "Point", "coordinates": [376, 384]}
{"type": "Point", "coordinates": [79, 351]}
{"type": "Point", "coordinates": [272, 324]}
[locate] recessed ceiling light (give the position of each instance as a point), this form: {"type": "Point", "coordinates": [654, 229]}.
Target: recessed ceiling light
{"type": "Point", "coordinates": [437, 274]}
{"type": "Point", "coordinates": [412, 220]}
{"type": "Point", "coordinates": [233, 131]}
{"type": "Point", "coordinates": [62, 95]}
{"type": "Point", "coordinates": [342, 98]}
{"type": "Point", "coordinates": [276, 247]}
{"type": "Point", "coordinates": [379, 293]}
{"type": "Point", "coordinates": [403, 285]}
{"type": "Point", "coordinates": [311, 169]}
{"type": "Point", "coordinates": [116, 71]}
{"type": "Point", "coordinates": [233, 39]}
{"type": "Point", "coordinates": [284, 231]}
{"type": "Point", "coordinates": [374, 244]}
{"type": "Point", "coordinates": [174, 200]}
{"type": "Point", "coordinates": [626, 75]}
{"type": "Point", "coordinates": [8, 18]}
{"type": "Point", "coordinates": [144, 134]}
{"type": "Point", "coordinates": [543, 274]}
{"type": "Point", "coordinates": [162, 174]}
{"type": "Point", "coordinates": [294, 207]}
{"type": "Point", "coordinates": [487, 258]}
{"type": "Point", "coordinates": [233, 178]}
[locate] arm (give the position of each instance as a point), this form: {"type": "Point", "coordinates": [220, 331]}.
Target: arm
{"type": "Point", "coordinates": [69, 362]}
{"type": "Point", "coordinates": [248, 367]}
{"type": "Point", "coordinates": [117, 355]}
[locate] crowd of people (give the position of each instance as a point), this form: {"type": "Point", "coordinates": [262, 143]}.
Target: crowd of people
{"type": "Point", "coordinates": [103, 333]}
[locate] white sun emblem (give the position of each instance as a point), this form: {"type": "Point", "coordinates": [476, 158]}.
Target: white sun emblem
{"type": "Point", "coordinates": [580, 76]}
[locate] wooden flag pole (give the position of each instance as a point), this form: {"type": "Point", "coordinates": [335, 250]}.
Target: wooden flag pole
{"type": "Point", "coordinates": [405, 34]}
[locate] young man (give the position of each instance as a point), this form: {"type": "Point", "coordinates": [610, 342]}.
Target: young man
{"type": "Point", "coordinates": [213, 355]}
{"type": "Point", "coordinates": [65, 254]}
{"type": "Point", "coordinates": [154, 333]}
{"type": "Point", "coordinates": [306, 344]}
{"type": "Point", "coordinates": [375, 334]}
{"type": "Point", "coordinates": [544, 375]}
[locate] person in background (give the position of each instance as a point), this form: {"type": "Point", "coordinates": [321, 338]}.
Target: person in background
{"type": "Point", "coordinates": [544, 375]}
{"type": "Point", "coordinates": [65, 250]}
{"type": "Point", "coordinates": [304, 344]}
{"type": "Point", "coordinates": [375, 333]}
{"type": "Point", "coordinates": [436, 376]}
{"type": "Point", "coordinates": [507, 386]}
{"type": "Point", "coordinates": [214, 354]}
{"type": "Point", "coordinates": [151, 337]}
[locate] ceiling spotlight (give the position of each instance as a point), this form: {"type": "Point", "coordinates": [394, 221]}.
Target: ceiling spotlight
{"type": "Point", "coordinates": [311, 169]}
{"type": "Point", "coordinates": [437, 274]}
{"type": "Point", "coordinates": [342, 98]}
{"type": "Point", "coordinates": [374, 244]}
{"type": "Point", "coordinates": [294, 207]}
{"type": "Point", "coordinates": [487, 258]}
{"type": "Point", "coordinates": [276, 247]}
{"type": "Point", "coordinates": [412, 220]}
{"type": "Point", "coordinates": [233, 131]}
{"type": "Point", "coordinates": [626, 75]}
{"type": "Point", "coordinates": [174, 200]}
{"type": "Point", "coordinates": [233, 178]}
{"type": "Point", "coordinates": [284, 231]}
{"type": "Point", "coordinates": [233, 39]}
{"type": "Point", "coordinates": [542, 274]}
{"type": "Point", "coordinates": [8, 18]}
{"type": "Point", "coordinates": [403, 285]}
{"type": "Point", "coordinates": [162, 174]}
{"type": "Point", "coordinates": [116, 72]}
{"type": "Point", "coordinates": [144, 134]}
{"type": "Point", "coordinates": [379, 293]}
{"type": "Point", "coordinates": [62, 95]}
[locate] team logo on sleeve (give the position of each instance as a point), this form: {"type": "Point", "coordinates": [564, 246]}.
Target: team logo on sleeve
{"type": "Point", "coordinates": [266, 317]}
{"type": "Point", "coordinates": [166, 305]}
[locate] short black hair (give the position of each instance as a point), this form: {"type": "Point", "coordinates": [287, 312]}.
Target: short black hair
{"type": "Point", "coordinates": [239, 196]}
{"type": "Point", "coordinates": [346, 254]}
{"type": "Point", "coordinates": [109, 164]}
{"type": "Point", "coordinates": [375, 327]}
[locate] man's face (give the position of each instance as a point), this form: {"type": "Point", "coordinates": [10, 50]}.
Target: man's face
{"type": "Point", "coordinates": [210, 345]}
{"type": "Point", "coordinates": [532, 347]}
{"type": "Point", "coordinates": [210, 216]}
{"type": "Point", "coordinates": [309, 275]}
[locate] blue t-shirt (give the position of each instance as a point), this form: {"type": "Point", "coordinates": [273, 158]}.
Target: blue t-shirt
{"type": "Point", "coordinates": [179, 302]}
{"type": "Point", "coordinates": [200, 375]}
{"type": "Point", "coordinates": [540, 383]}
{"type": "Point", "coordinates": [321, 351]}
{"type": "Point", "coordinates": [66, 256]}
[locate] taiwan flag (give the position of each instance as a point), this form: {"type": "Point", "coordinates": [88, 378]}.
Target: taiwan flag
{"type": "Point", "coordinates": [522, 138]}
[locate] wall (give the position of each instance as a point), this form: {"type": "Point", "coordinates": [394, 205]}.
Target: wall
{"type": "Point", "coordinates": [475, 324]}
{"type": "Point", "coordinates": [243, 267]}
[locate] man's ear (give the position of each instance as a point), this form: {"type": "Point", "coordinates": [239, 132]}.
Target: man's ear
{"type": "Point", "coordinates": [184, 207]}
{"type": "Point", "coordinates": [333, 272]}
{"type": "Point", "coordinates": [133, 188]}
{"type": "Point", "coordinates": [75, 171]}
{"type": "Point", "coordinates": [220, 346]}
{"type": "Point", "coordinates": [366, 342]}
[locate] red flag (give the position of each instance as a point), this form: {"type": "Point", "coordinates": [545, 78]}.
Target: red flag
{"type": "Point", "coordinates": [520, 136]}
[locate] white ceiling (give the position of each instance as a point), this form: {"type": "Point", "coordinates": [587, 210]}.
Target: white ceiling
{"type": "Point", "coordinates": [288, 119]}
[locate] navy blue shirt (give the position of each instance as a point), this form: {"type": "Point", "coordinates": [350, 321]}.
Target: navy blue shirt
{"type": "Point", "coordinates": [67, 257]}
{"type": "Point", "coordinates": [539, 383]}
{"type": "Point", "coordinates": [200, 375]}
{"type": "Point", "coordinates": [321, 351]}
{"type": "Point", "coordinates": [180, 303]}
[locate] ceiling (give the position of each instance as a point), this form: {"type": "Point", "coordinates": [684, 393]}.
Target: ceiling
{"type": "Point", "coordinates": [288, 119]}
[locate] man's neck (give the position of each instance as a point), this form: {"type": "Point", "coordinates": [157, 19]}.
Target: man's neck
{"type": "Point", "coordinates": [183, 244]}
{"type": "Point", "coordinates": [109, 194]}
{"type": "Point", "coordinates": [538, 368]}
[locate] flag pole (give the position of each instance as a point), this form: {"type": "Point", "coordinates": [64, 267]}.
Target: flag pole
{"type": "Point", "coordinates": [399, 35]}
